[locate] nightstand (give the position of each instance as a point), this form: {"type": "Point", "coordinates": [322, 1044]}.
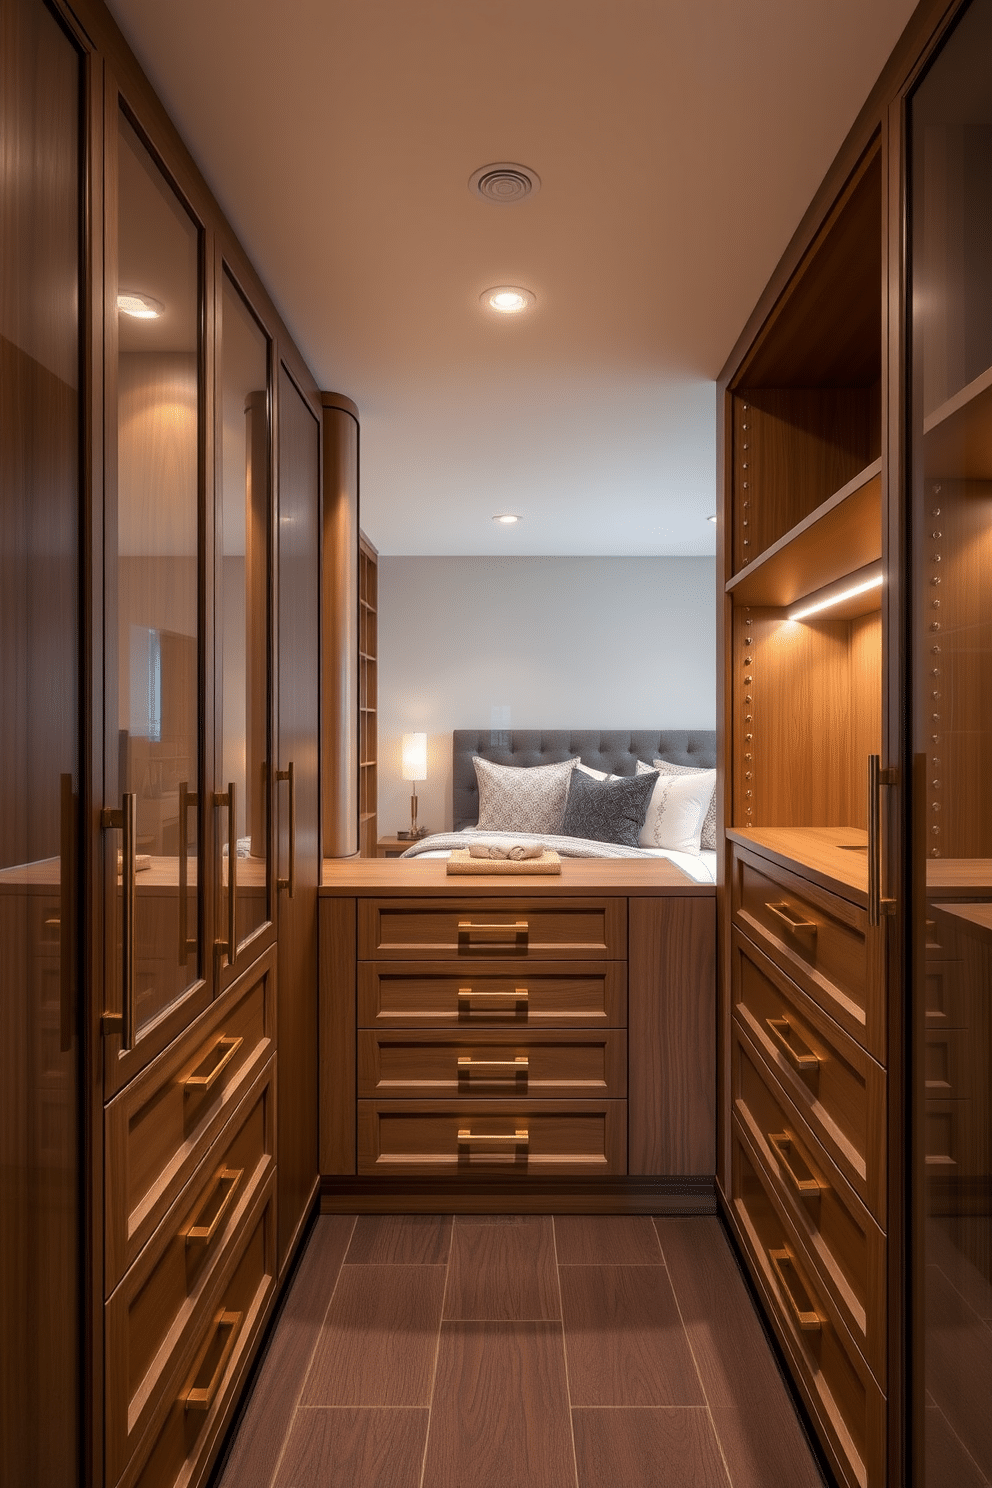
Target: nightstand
{"type": "Point", "coordinates": [392, 847]}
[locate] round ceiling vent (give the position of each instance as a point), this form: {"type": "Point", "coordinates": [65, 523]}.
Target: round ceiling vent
{"type": "Point", "coordinates": [504, 183]}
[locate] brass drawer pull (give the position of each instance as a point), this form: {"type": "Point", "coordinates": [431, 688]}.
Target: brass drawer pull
{"type": "Point", "coordinates": [806, 1188]}
{"type": "Point", "coordinates": [797, 926]}
{"type": "Point", "coordinates": [521, 1137]}
{"type": "Point", "coordinates": [519, 994]}
{"type": "Point", "coordinates": [517, 1066]}
{"type": "Point", "coordinates": [206, 1082]}
{"type": "Point", "coordinates": [802, 1059]}
{"type": "Point", "coordinates": [805, 1320]}
{"type": "Point", "coordinates": [201, 1398]}
{"type": "Point", "coordinates": [514, 930]}
{"type": "Point", "coordinates": [201, 1234]}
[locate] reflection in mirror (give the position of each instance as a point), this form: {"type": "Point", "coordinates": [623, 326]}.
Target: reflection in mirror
{"type": "Point", "coordinates": [158, 570]}
{"type": "Point", "coordinates": [243, 609]}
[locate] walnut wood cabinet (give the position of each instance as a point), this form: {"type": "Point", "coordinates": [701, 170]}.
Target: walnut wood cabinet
{"type": "Point", "coordinates": [517, 1044]}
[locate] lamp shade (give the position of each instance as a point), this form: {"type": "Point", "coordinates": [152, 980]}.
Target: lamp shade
{"type": "Point", "coordinates": [414, 756]}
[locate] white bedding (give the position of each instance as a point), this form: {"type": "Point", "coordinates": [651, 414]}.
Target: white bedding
{"type": "Point", "coordinates": [701, 869]}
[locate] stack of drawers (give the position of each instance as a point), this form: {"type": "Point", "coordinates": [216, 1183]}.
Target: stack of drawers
{"type": "Point", "coordinates": [492, 1036]}
{"type": "Point", "coordinates": [808, 1142]}
{"type": "Point", "coordinates": [190, 1236]}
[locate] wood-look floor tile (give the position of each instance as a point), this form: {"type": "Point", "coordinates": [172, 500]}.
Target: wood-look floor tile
{"type": "Point", "coordinates": [254, 1453]}
{"type": "Point", "coordinates": [606, 1240]}
{"type": "Point", "coordinates": [502, 1270]}
{"type": "Point", "coordinates": [766, 1447]}
{"type": "Point", "coordinates": [959, 1366]}
{"type": "Point", "coordinates": [948, 1465]}
{"type": "Point", "coordinates": [400, 1240]}
{"type": "Point", "coordinates": [500, 1417]}
{"type": "Point", "coordinates": [379, 1340]}
{"type": "Point", "coordinates": [673, 1448]}
{"type": "Point", "coordinates": [728, 1341]}
{"type": "Point", "coordinates": [354, 1449]}
{"type": "Point", "coordinates": [623, 1338]}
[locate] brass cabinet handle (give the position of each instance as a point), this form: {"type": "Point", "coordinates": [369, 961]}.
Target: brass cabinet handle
{"type": "Point", "coordinates": [201, 1398]}
{"type": "Point", "coordinates": [126, 820]}
{"type": "Point", "coordinates": [206, 1082]}
{"type": "Point", "coordinates": [801, 1059]}
{"type": "Point", "coordinates": [877, 777]}
{"type": "Point", "coordinates": [229, 799]}
{"type": "Point", "coordinates": [517, 1066]}
{"type": "Point", "coordinates": [797, 926]}
{"type": "Point", "coordinates": [515, 929]}
{"type": "Point", "coordinates": [521, 1137]}
{"type": "Point", "coordinates": [187, 799]}
{"type": "Point", "coordinates": [806, 1321]}
{"type": "Point", "coordinates": [201, 1234]}
{"type": "Point", "coordinates": [289, 775]}
{"type": "Point", "coordinates": [806, 1188]}
{"type": "Point", "coordinates": [519, 994]}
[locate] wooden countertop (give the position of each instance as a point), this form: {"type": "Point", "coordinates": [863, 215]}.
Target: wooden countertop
{"type": "Point", "coordinates": [976, 918]}
{"type": "Point", "coordinates": [834, 857]}
{"type": "Point", "coordinates": [427, 878]}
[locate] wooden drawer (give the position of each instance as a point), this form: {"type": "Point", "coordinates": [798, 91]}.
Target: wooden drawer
{"type": "Point", "coordinates": [158, 1129]}
{"type": "Point", "coordinates": [827, 1078]}
{"type": "Point", "coordinates": [512, 929]}
{"type": "Point", "coordinates": [823, 941]}
{"type": "Point", "coordinates": [567, 1138]}
{"type": "Point", "coordinates": [946, 1004]}
{"type": "Point", "coordinates": [431, 993]}
{"type": "Point", "coordinates": [824, 1213]}
{"type": "Point", "coordinates": [577, 1065]}
{"type": "Point", "coordinates": [151, 1313]}
{"type": "Point", "coordinates": [844, 1400]}
{"type": "Point", "coordinates": [178, 1446]}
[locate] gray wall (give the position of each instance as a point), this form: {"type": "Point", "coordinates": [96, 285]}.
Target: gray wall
{"type": "Point", "coordinates": [549, 642]}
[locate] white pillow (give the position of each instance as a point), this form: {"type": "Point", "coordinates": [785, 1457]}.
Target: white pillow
{"type": "Point", "coordinates": [596, 774]}
{"type": "Point", "coordinates": [522, 800]}
{"type": "Point", "coordinates": [707, 837]}
{"type": "Point", "coordinates": [676, 810]}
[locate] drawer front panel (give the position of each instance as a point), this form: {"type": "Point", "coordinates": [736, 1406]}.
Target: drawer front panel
{"type": "Point", "coordinates": [511, 929]}
{"type": "Point", "coordinates": [825, 1213]}
{"type": "Point", "coordinates": [160, 1126]}
{"type": "Point", "coordinates": [541, 1064]}
{"type": "Point", "coordinates": [837, 1089]}
{"type": "Point", "coordinates": [151, 1311]}
{"type": "Point", "coordinates": [498, 1136]}
{"type": "Point", "coordinates": [821, 940]}
{"type": "Point", "coordinates": [411, 993]}
{"type": "Point", "coordinates": [214, 1364]}
{"type": "Point", "coordinates": [946, 999]}
{"type": "Point", "coordinates": [844, 1399]}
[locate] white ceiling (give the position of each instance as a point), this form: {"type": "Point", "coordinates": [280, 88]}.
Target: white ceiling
{"type": "Point", "coordinates": [678, 145]}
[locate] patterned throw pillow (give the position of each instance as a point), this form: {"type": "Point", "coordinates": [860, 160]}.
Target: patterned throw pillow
{"type": "Point", "coordinates": [676, 809]}
{"type": "Point", "coordinates": [707, 837]}
{"type": "Point", "coordinates": [522, 800]}
{"type": "Point", "coordinates": [607, 810]}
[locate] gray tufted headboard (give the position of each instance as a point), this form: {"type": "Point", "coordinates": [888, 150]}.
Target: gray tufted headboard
{"type": "Point", "coordinates": [613, 750]}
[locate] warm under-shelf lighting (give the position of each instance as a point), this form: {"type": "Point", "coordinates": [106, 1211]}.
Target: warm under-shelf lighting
{"type": "Point", "coordinates": [826, 599]}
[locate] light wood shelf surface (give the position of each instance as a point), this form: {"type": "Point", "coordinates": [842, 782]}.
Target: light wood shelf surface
{"type": "Point", "coordinates": [834, 857]}
{"type": "Point", "coordinates": [957, 436]}
{"type": "Point", "coordinates": [427, 877]}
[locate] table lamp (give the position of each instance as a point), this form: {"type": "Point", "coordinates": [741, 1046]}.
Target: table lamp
{"type": "Point", "coordinates": [414, 769]}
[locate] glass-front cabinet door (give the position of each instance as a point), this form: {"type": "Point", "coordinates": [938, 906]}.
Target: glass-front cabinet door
{"type": "Point", "coordinates": [155, 585]}
{"type": "Point", "coordinates": [950, 139]}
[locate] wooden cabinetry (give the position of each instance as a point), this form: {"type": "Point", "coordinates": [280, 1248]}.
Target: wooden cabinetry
{"type": "Point", "coordinates": [368, 690]}
{"type": "Point", "coordinates": [506, 1036]}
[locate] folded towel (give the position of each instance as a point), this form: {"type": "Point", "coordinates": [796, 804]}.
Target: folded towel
{"type": "Point", "coordinates": [515, 850]}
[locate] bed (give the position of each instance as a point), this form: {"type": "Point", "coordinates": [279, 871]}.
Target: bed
{"type": "Point", "coordinates": [611, 752]}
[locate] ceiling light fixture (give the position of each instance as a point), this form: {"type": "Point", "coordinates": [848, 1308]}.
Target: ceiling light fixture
{"type": "Point", "coordinates": [504, 183]}
{"type": "Point", "coordinates": [507, 518]}
{"type": "Point", "coordinates": [507, 299]}
{"type": "Point", "coordinates": [139, 306]}
{"type": "Point", "coordinates": [834, 595]}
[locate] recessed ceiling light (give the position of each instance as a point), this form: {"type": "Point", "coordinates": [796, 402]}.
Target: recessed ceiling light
{"type": "Point", "coordinates": [504, 183]}
{"type": "Point", "coordinates": [139, 306]}
{"type": "Point", "coordinates": [712, 518]}
{"type": "Point", "coordinates": [507, 299]}
{"type": "Point", "coordinates": [507, 518]}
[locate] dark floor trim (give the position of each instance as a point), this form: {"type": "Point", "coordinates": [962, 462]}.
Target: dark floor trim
{"type": "Point", "coordinates": [499, 1194]}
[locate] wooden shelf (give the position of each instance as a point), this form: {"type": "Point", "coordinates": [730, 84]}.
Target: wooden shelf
{"type": "Point", "coordinates": [957, 436]}
{"type": "Point", "coordinates": [840, 536]}
{"type": "Point", "coordinates": [834, 857]}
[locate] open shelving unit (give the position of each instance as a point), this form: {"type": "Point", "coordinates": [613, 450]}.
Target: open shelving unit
{"type": "Point", "coordinates": [368, 660]}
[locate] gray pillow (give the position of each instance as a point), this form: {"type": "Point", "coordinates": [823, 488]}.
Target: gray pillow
{"type": "Point", "coordinates": [522, 800]}
{"type": "Point", "coordinates": [707, 837]}
{"type": "Point", "coordinates": [608, 810]}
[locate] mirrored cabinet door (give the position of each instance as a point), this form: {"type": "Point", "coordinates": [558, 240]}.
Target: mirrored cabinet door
{"type": "Point", "coordinates": [157, 942]}
{"type": "Point", "coordinates": [242, 625]}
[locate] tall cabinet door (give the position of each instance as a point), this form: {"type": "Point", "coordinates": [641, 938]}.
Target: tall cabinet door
{"type": "Point", "coordinates": [951, 628]}
{"type": "Point", "coordinates": [297, 793]}
{"type": "Point", "coordinates": [40, 661]}
{"type": "Point", "coordinates": [155, 864]}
